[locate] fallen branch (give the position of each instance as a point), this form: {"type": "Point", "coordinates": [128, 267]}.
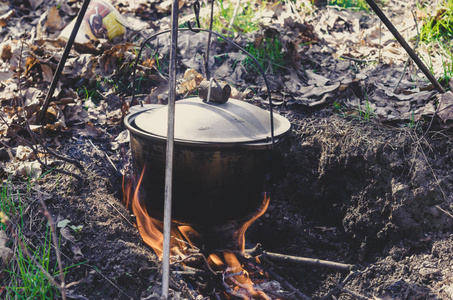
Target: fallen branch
{"type": "Point", "coordinates": [309, 262]}
{"type": "Point", "coordinates": [202, 258]}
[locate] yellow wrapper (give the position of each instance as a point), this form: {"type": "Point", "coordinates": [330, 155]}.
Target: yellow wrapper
{"type": "Point", "coordinates": [101, 21]}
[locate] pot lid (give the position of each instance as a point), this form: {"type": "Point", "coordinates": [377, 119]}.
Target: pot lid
{"type": "Point", "coordinates": [207, 122]}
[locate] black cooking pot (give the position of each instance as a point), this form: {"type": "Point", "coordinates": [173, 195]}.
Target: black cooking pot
{"type": "Point", "coordinates": [221, 159]}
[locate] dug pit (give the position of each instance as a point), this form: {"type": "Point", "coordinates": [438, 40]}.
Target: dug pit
{"type": "Point", "coordinates": [367, 194]}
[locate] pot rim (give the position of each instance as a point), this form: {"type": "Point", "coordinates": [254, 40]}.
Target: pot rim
{"type": "Point", "coordinates": [129, 121]}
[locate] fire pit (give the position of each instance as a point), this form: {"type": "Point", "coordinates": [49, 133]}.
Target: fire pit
{"type": "Point", "coordinates": [221, 160]}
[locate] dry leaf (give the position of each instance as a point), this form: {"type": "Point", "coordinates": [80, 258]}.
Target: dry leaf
{"type": "Point", "coordinates": [24, 153]}
{"type": "Point", "coordinates": [315, 79]}
{"type": "Point", "coordinates": [30, 169]}
{"type": "Point", "coordinates": [310, 91]}
{"type": "Point", "coordinates": [427, 110]}
{"type": "Point", "coordinates": [35, 3]}
{"type": "Point", "coordinates": [445, 106]}
{"type": "Point", "coordinates": [54, 21]}
{"type": "Point", "coordinates": [65, 233]}
{"type": "Point", "coordinates": [6, 52]}
{"type": "Point", "coordinates": [47, 72]}
{"type": "Point", "coordinates": [191, 81]}
{"type": "Point", "coordinates": [29, 64]}
{"type": "Point", "coordinates": [75, 114]}
{"type": "Point", "coordinates": [165, 6]}
{"type": "Point", "coordinates": [5, 18]}
{"type": "Point", "coordinates": [112, 58]}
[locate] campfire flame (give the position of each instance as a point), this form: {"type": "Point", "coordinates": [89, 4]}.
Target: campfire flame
{"type": "Point", "coordinates": [236, 276]}
{"type": "Point", "coordinates": [151, 230]}
{"type": "Point", "coordinates": [240, 234]}
{"type": "Point", "coordinates": [237, 281]}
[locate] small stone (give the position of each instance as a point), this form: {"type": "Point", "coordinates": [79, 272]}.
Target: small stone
{"type": "Point", "coordinates": [5, 253]}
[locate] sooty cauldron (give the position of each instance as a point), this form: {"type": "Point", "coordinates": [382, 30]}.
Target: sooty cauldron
{"type": "Point", "coordinates": [221, 159]}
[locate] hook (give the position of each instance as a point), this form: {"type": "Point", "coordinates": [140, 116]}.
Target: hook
{"type": "Point", "coordinates": [196, 11]}
{"type": "Point", "coordinates": [191, 28]}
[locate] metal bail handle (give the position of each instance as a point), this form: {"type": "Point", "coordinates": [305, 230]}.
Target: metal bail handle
{"type": "Point", "coordinates": [226, 40]}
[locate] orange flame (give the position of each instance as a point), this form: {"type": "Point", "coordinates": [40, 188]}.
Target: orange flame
{"type": "Point", "coordinates": [152, 230]}
{"type": "Point", "coordinates": [215, 262]}
{"type": "Point", "coordinates": [236, 277]}
{"type": "Point", "coordinates": [240, 233]}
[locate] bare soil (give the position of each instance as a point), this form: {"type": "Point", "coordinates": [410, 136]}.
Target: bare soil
{"type": "Point", "coordinates": [354, 191]}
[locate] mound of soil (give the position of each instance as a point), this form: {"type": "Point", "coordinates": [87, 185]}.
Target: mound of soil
{"type": "Point", "coordinates": [370, 195]}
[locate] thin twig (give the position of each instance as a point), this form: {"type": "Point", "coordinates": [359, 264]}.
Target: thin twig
{"type": "Point", "coordinates": [261, 294]}
{"type": "Point", "coordinates": [357, 60]}
{"type": "Point", "coordinates": [444, 211]}
{"type": "Point", "coordinates": [105, 154]}
{"type": "Point", "coordinates": [127, 220]}
{"type": "Point", "coordinates": [233, 18]}
{"type": "Point", "coordinates": [31, 257]}
{"type": "Point", "coordinates": [342, 283]}
{"type": "Point", "coordinates": [203, 258]}
{"type": "Point", "coordinates": [62, 287]}
{"type": "Point", "coordinates": [418, 146]}
{"type": "Point", "coordinates": [94, 268]}
{"type": "Point", "coordinates": [192, 273]}
{"type": "Point", "coordinates": [34, 136]}
{"type": "Point", "coordinates": [380, 45]}
{"type": "Point", "coordinates": [299, 295]}
{"type": "Point", "coordinates": [352, 293]}
{"type": "Point", "coordinates": [69, 160]}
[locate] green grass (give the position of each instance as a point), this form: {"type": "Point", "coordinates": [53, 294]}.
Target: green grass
{"type": "Point", "coordinates": [365, 113]}
{"type": "Point", "coordinates": [27, 281]}
{"type": "Point", "coordinates": [438, 26]}
{"type": "Point", "coordinates": [244, 21]}
{"type": "Point", "coordinates": [443, 71]}
{"type": "Point", "coordinates": [7, 206]}
{"type": "Point", "coordinates": [357, 5]}
{"type": "Point", "coordinates": [22, 278]}
{"type": "Point", "coordinates": [436, 33]}
{"type": "Point", "coordinates": [447, 65]}
{"type": "Point", "coordinates": [269, 53]}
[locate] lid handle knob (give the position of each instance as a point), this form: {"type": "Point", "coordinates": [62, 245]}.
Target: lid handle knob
{"type": "Point", "coordinates": [214, 91]}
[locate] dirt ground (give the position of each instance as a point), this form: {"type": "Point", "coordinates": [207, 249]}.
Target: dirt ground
{"type": "Point", "coordinates": [371, 191]}
{"type": "Point", "coordinates": [356, 192]}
